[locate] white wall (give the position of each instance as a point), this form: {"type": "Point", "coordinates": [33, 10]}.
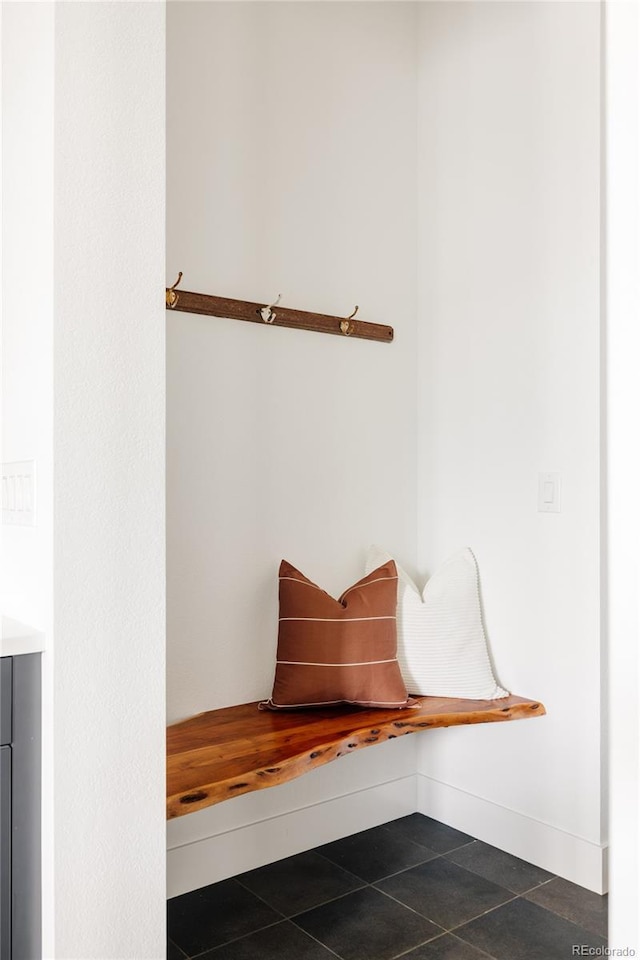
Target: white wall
{"type": "Point", "coordinates": [27, 311]}
{"type": "Point", "coordinates": [109, 545]}
{"type": "Point", "coordinates": [83, 257]}
{"type": "Point", "coordinates": [509, 387]}
{"type": "Point", "coordinates": [103, 677]}
{"type": "Point", "coordinates": [26, 557]}
{"type": "Point", "coordinates": [295, 174]}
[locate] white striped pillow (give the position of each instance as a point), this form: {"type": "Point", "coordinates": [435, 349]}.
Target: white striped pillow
{"type": "Point", "coordinates": [442, 648]}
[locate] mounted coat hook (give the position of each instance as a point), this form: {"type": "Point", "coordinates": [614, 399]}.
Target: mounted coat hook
{"type": "Point", "coordinates": [171, 297]}
{"type": "Point", "coordinates": [346, 326]}
{"type": "Point", "coordinates": [267, 313]}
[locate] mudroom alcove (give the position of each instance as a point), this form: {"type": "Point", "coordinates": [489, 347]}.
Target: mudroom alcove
{"type": "Point", "coordinates": [439, 166]}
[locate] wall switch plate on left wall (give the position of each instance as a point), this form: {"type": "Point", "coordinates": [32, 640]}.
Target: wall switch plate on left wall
{"type": "Point", "coordinates": [19, 493]}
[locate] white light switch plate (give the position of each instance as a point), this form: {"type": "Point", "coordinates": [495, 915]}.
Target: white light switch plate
{"type": "Point", "coordinates": [549, 493]}
{"type": "Point", "coordinates": [19, 493]}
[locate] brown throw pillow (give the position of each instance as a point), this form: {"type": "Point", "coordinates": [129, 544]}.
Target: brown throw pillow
{"type": "Point", "coordinates": [338, 651]}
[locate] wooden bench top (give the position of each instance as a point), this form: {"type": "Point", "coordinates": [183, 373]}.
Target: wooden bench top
{"type": "Point", "coordinates": [223, 753]}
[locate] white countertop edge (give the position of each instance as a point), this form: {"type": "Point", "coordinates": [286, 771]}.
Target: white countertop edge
{"type": "Point", "coordinates": [18, 638]}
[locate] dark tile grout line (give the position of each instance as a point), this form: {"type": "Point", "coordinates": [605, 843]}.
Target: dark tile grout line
{"type": "Point", "coordinates": [290, 916]}
{"type": "Point", "coordinates": [388, 876]}
{"type": "Point", "coordinates": [457, 925]}
{"type": "Point", "coordinates": [537, 886]}
{"type": "Point", "coordinates": [370, 883]}
{"type": "Point", "coordinates": [475, 947]}
{"type": "Point", "coordinates": [434, 852]}
{"type": "Point", "coordinates": [516, 896]}
{"type": "Point", "coordinates": [563, 916]}
{"type": "Point", "coordinates": [445, 933]}
{"type": "Point", "coordinates": [174, 944]}
{"type": "Point", "coordinates": [194, 956]}
{"type": "Point", "coordinates": [268, 926]}
{"type": "Point", "coordinates": [325, 945]}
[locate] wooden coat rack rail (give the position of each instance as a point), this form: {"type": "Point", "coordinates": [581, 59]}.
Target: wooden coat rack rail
{"type": "Point", "coordinates": [208, 305]}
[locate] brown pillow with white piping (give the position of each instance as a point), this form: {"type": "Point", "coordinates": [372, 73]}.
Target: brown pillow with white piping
{"type": "Point", "coordinates": [338, 651]}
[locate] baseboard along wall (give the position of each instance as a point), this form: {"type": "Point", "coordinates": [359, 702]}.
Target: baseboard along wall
{"type": "Point", "coordinates": [208, 859]}
{"type": "Point", "coordinates": [561, 853]}
{"type": "Point", "coordinates": [244, 847]}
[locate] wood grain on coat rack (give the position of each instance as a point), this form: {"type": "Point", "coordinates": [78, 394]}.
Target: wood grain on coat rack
{"type": "Point", "coordinates": [272, 314]}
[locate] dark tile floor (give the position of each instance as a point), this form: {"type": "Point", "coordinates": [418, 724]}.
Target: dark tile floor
{"type": "Point", "coordinates": [413, 888]}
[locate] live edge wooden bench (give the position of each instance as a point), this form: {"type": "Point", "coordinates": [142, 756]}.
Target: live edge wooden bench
{"type": "Point", "coordinates": [224, 753]}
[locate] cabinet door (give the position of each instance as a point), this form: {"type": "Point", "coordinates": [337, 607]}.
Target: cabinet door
{"type": "Point", "coordinates": [5, 700]}
{"type": "Point", "coordinates": [5, 853]}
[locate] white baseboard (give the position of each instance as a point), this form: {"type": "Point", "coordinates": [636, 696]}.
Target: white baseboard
{"type": "Point", "coordinates": [574, 858]}
{"type": "Point", "coordinates": [201, 862]}
{"type": "Point", "coordinates": [245, 846]}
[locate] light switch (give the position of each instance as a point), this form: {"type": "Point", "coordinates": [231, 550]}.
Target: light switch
{"type": "Point", "coordinates": [549, 493]}
{"type": "Point", "coordinates": [19, 493]}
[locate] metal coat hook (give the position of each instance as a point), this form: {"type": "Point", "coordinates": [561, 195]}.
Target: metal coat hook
{"type": "Point", "coordinates": [171, 297]}
{"type": "Point", "coordinates": [267, 313]}
{"type": "Point", "coordinates": [346, 326]}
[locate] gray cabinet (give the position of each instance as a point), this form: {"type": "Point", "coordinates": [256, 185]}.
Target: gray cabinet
{"type": "Point", "coordinates": [5, 852]}
{"type": "Point", "coordinates": [6, 707]}
{"type": "Point", "coordinates": [20, 873]}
